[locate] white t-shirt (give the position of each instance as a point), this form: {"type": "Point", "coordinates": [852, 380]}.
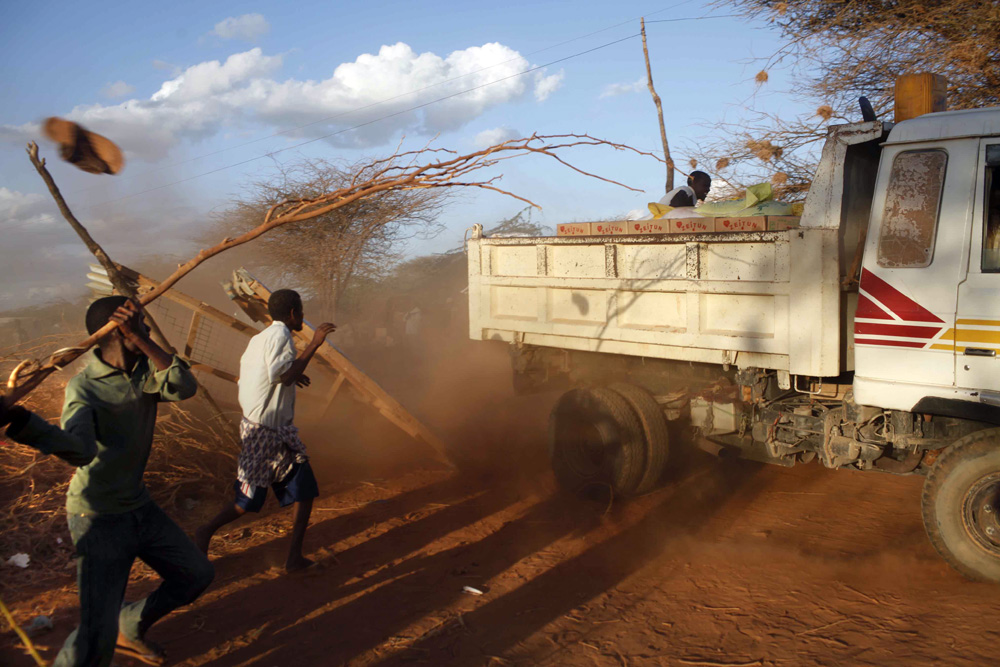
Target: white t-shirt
{"type": "Point", "coordinates": [263, 397]}
{"type": "Point", "coordinates": [686, 189]}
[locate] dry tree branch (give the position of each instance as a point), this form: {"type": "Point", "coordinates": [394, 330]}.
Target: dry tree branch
{"type": "Point", "coordinates": [394, 177]}
{"type": "Point", "coordinates": [659, 110]}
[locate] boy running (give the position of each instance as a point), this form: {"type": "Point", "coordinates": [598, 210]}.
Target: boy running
{"type": "Point", "coordinates": [107, 432]}
{"type": "Point", "coordinates": [272, 453]}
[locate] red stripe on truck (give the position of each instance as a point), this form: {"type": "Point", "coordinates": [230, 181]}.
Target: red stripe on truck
{"type": "Point", "coordinates": [901, 305]}
{"type": "Point", "coordinates": [891, 343]}
{"type": "Point", "coordinates": [904, 330]}
{"type": "Point", "coordinates": [868, 308]}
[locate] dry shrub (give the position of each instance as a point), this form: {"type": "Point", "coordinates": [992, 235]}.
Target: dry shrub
{"type": "Point", "coordinates": [190, 461]}
{"type": "Point", "coordinates": [764, 150]}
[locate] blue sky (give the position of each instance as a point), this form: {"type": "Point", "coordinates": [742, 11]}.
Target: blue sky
{"type": "Point", "coordinates": [184, 86]}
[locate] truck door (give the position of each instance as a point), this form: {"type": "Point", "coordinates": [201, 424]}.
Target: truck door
{"type": "Point", "coordinates": [915, 257]}
{"type": "Point", "coordinates": [977, 328]}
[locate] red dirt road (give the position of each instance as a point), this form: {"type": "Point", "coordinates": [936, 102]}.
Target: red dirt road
{"type": "Point", "coordinates": [727, 564]}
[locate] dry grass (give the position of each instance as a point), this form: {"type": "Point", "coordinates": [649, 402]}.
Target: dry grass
{"type": "Point", "coordinates": [191, 462]}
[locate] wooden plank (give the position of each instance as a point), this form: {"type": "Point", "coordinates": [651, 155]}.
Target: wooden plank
{"type": "Point", "coordinates": [192, 333]}
{"type": "Point", "coordinates": [332, 394]}
{"type": "Point", "coordinates": [211, 370]}
{"type": "Point", "coordinates": [200, 307]}
{"type": "Point", "coordinates": [361, 383]}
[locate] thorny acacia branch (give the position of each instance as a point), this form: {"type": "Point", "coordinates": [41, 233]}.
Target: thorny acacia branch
{"type": "Point", "coordinates": [391, 175]}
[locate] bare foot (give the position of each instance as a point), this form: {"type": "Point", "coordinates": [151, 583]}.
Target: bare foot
{"type": "Point", "coordinates": [202, 537]}
{"type": "Point", "coordinates": [298, 564]}
{"type": "Point", "coordinates": [141, 650]}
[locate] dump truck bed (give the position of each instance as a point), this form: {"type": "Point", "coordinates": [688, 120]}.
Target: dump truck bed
{"type": "Point", "coordinates": [767, 299]}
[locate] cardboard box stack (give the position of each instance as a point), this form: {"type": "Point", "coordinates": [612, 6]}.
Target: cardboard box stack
{"type": "Point", "coordinates": [679, 226]}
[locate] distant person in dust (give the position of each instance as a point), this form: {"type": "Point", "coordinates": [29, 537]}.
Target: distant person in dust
{"type": "Point", "coordinates": [272, 454]}
{"type": "Point", "coordinates": [698, 186]}
{"type": "Point", "coordinates": [107, 432]}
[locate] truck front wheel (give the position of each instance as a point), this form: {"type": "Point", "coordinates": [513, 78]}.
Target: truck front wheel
{"type": "Point", "coordinates": [961, 504]}
{"type": "Point", "coordinates": [596, 440]}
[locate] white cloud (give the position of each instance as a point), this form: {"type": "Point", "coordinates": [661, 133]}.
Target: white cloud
{"type": "Point", "coordinates": [546, 85]}
{"type": "Point", "coordinates": [23, 208]}
{"type": "Point", "coordinates": [247, 27]}
{"type": "Point", "coordinates": [43, 259]}
{"type": "Point", "coordinates": [371, 92]}
{"type": "Point", "coordinates": [611, 90]}
{"type": "Point", "coordinates": [117, 89]}
{"type": "Point", "coordinates": [495, 136]}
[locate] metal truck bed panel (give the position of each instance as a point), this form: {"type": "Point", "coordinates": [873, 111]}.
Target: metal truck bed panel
{"type": "Point", "coordinates": [761, 299]}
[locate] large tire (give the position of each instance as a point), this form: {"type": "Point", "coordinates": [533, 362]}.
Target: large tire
{"type": "Point", "coordinates": [654, 427]}
{"type": "Point", "coordinates": [961, 502]}
{"type": "Point", "coordinates": [596, 440]}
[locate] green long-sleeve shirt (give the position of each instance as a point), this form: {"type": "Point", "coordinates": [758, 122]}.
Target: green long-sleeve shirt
{"type": "Point", "coordinates": [107, 430]}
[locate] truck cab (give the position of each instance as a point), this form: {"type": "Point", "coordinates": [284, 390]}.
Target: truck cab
{"type": "Point", "coordinates": [927, 324]}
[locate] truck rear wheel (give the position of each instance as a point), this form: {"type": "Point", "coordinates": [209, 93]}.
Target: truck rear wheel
{"type": "Point", "coordinates": [654, 427]}
{"type": "Point", "coordinates": [596, 439]}
{"type": "Point", "coordinates": [961, 503]}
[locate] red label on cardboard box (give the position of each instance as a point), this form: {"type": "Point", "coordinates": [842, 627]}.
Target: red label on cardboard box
{"type": "Point", "coordinates": [606, 228]}
{"type": "Point", "coordinates": [648, 227]}
{"type": "Point", "coordinates": [691, 225]}
{"type": "Point", "coordinates": [755, 223]}
{"type": "Point", "coordinates": [573, 229]}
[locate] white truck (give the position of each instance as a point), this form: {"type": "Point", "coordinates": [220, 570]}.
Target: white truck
{"type": "Point", "coordinates": [867, 338]}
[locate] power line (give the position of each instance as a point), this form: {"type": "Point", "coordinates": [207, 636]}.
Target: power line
{"type": "Point", "coordinates": [390, 99]}
{"type": "Point", "coordinates": [696, 18]}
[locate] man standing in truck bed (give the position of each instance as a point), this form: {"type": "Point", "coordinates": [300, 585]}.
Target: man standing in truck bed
{"type": "Point", "coordinates": [272, 453]}
{"type": "Point", "coordinates": [107, 431]}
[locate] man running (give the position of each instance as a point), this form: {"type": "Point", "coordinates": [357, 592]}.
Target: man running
{"type": "Point", "coordinates": [272, 453]}
{"type": "Point", "coordinates": [107, 432]}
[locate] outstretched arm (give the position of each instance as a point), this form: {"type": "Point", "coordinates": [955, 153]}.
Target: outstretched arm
{"type": "Point", "coordinates": [298, 367]}
{"type": "Point", "coordinates": [75, 442]}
